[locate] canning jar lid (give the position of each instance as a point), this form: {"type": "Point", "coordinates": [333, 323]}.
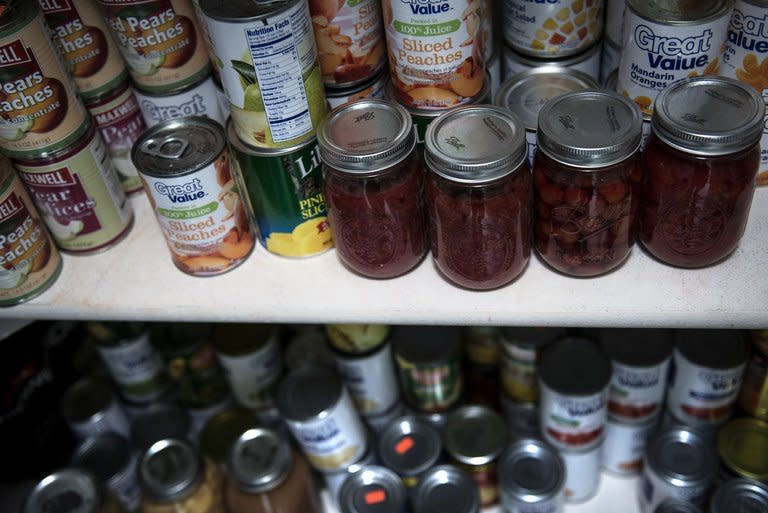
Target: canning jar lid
{"type": "Point", "coordinates": [77, 488]}
{"type": "Point", "coordinates": [525, 93]}
{"type": "Point", "coordinates": [589, 129]}
{"type": "Point", "coordinates": [158, 422]}
{"type": "Point", "coordinates": [676, 506]}
{"type": "Point", "coordinates": [366, 136]}
{"type": "Point", "coordinates": [307, 392]}
{"type": "Point", "coordinates": [575, 367]}
{"type": "Point", "coordinates": [259, 461]}
{"type": "Point", "coordinates": [372, 489]}
{"type": "Point", "coordinates": [475, 435]}
{"type": "Point", "coordinates": [681, 456]}
{"type": "Point", "coordinates": [708, 115]}
{"type": "Point", "coordinates": [743, 448]}
{"type": "Point", "coordinates": [446, 489]}
{"type": "Point", "coordinates": [531, 471]}
{"type": "Point", "coordinates": [475, 144]}
{"type": "Point", "coordinates": [426, 344]}
{"type": "Point", "coordinates": [88, 397]}
{"type": "Point", "coordinates": [170, 470]}
{"type": "Point", "coordinates": [409, 446]}
{"type": "Point", "coordinates": [635, 347]}
{"type": "Point", "coordinates": [104, 455]}
{"type": "Point", "coordinates": [716, 349]}
{"type": "Point", "coordinates": [739, 496]}
{"type": "Point", "coordinates": [680, 12]}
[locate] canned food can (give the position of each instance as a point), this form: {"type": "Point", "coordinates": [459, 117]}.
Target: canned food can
{"type": "Point", "coordinates": [308, 349]}
{"type": "Point", "coordinates": [335, 480]}
{"type": "Point", "coordinates": [118, 118]}
{"type": "Point", "coordinates": [40, 109]}
{"type": "Point", "coordinates": [185, 167]}
{"type": "Point", "coordinates": [587, 61]}
{"type": "Point", "coordinates": [79, 195]}
{"type": "Point", "coordinates": [70, 486]}
{"type": "Point", "coordinates": [30, 263]}
{"type": "Point", "coordinates": [436, 420]}
{"type": "Point", "coordinates": [495, 71]}
{"type": "Point", "coordinates": [446, 488]}
{"type": "Point", "coordinates": [522, 418]}
{"type": "Point", "coordinates": [614, 19]}
{"type": "Point", "coordinates": [284, 192]}
{"type": "Point", "coordinates": [708, 365]}
{"type": "Point", "coordinates": [746, 47]}
{"type": "Point", "coordinates": [678, 464]}
{"type": "Point", "coordinates": [378, 423]}
{"type": "Point", "coordinates": [482, 345]}
{"type": "Point", "coordinates": [160, 41]}
{"type": "Point", "coordinates": [320, 415]}
{"type": "Point", "coordinates": [582, 473]}
{"type": "Point", "coordinates": [531, 478]}
{"type": "Point", "coordinates": [742, 445]}
{"type": "Point", "coordinates": [374, 88]}
{"type": "Point", "coordinates": [552, 29]}
{"type": "Point", "coordinates": [88, 49]}
{"type": "Point", "coordinates": [676, 506]}
{"type": "Point", "coordinates": [753, 396]}
{"type": "Point", "coordinates": [661, 46]}
{"type": "Point", "coordinates": [739, 495]}
{"type": "Point", "coordinates": [574, 378]}
{"type": "Point", "coordinates": [197, 99]}
{"type": "Point", "coordinates": [436, 54]}
{"type": "Point", "coordinates": [110, 459]}
{"type": "Point", "coordinates": [609, 61]}
{"type": "Point", "coordinates": [200, 415]}
{"type": "Point", "coordinates": [223, 100]}
{"type": "Point", "coordinates": [222, 430]}
{"type": "Point", "coordinates": [90, 408]}
{"type": "Point", "coordinates": [267, 58]}
{"type": "Point", "coordinates": [762, 172]}
{"type": "Point", "coordinates": [410, 448]}
{"type": "Point", "coordinates": [372, 489]}
{"type": "Point", "coordinates": [624, 445]}
{"type": "Point", "coordinates": [521, 348]}
{"type": "Point", "coordinates": [158, 422]}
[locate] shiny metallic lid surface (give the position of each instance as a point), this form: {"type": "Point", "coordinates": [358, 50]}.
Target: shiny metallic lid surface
{"type": "Point", "coordinates": [740, 496]}
{"type": "Point", "coordinates": [409, 446]}
{"type": "Point", "coordinates": [743, 447]}
{"type": "Point", "coordinates": [531, 471]}
{"type": "Point", "coordinates": [676, 506]}
{"type": "Point", "coordinates": [373, 489]}
{"type": "Point", "coordinates": [475, 435]}
{"type": "Point", "coordinates": [259, 461]}
{"type": "Point", "coordinates": [681, 456]}
{"type": "Point", "coordinates": [446, 489]}
{"type": "Point", "coordinates": [66, 491]}
{"type": "Point", "coordinates": [170, 470]}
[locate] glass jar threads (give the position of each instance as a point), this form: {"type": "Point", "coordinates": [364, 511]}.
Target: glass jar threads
{"type": "Point", "coordinates": [479, 195]}
{"type": "Point", "coordinates": [700, 167]}
{"type": "Point", "coordinates": [373, 187]}
{"type": "Point", "coordinates": [587, 180]}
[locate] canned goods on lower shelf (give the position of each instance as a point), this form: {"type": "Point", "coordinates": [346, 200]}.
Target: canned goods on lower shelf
{"type": "Point", "coordinates": [410, 448]}
{"type": "Point", "coordinates": [335, 480]}
{"type": "Point", "coordinates": [531, 478]}
{"type": "Point", "coordinates": [739, 495]}
{"type": "Point", "coordinates": [372, 489]}
{"type": "Point", "coordinates": [445, 489]}
{"type": "Point", "coordinates": [582, 473]}
{"type": "Point", "coordinates": [743, 448]}
{"type": "Point", "coordinates": [77, 486]}
{"type": "Point", "coordinates": [90, 407]}
{"type": "Point", "coordinates": [625, 444]}
{"type": "Point", "coordinates": [158, 422]}
{"type": "Point", "coordinates": [110, 458]}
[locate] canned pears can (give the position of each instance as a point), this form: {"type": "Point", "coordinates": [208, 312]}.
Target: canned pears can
{"type": "Point", "coordinates": [39, 109]}
{"type": "Point", "coordinates": [199, 99]}
{"type": "Point", "coordinates": [269, 70]}
{"type": "Point", "coordinates": [185, 166]}
{"type": "Point", "coordinates": [88, 49]}
{"type": "Point", "coordinates": [79, 195]}
{"type": "Point", "coordinates": [29, 262]}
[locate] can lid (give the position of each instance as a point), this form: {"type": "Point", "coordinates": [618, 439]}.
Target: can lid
{"type": "Point", "coordinates": [676, 506]}
{"type": "Point", "coordinates": [178, 147]}
{"type": "Point", "coordinates": [743, 447]}
{"type": "Point", "coordinates": [681, 456]}
{"type": "Point", "coordinates": [243, 10]}
{"type": "Point", "coordinates": [105, 455]}
{"type": "Point", "coordinates": [223, 429]}
{"type": "Point", "coordinates": [409, 446]}
{"type": "Point", "coordinates": [680, 12]}
{"type": "Point", "coordinates": [372, 489]}
{"type": "Point", "coordinates": [637, 347]}
{"type": "Point", "coordinates": [740, 496]}
{"type": "Point", "coordinates": [708, 115]}
{"type": "Point", "coordinates": [446, 489]}
{"type": "Point", "coordinates": [589, 129]}
{"type": "Point", "coordinates": [533, 338]}
{"type": "Point", "coordinates": [525, 93]}
{"type": "Point", "coordinates": [575, 367]}
{"type": "Point", "coordinates": [426, 344]}
{"type": "Point", "coordinates": [307, 392]}
{"type": "Point", "coordinates": [716, 349]}
{"type": "Point", "coordinates": [259, 460]}
{"type": "Point", "coordinates": [158, 422]}
{"type": "Point", "coordinates": [170, 470]}
{"type": "Point", "coordinates": [66, 491]}
{"type": "Point", "coordinates": [475, 435]}
{"type": "Point", "coordinates": [475, 144]}
{"type": "Point", "coordinates": [366, 136]}
{"type": "Point", "coordinates": [86, 398]}
{"type": "Point", "coordinates": [531, 471]}
{"type": "Point", "coordinates": [565, 63]}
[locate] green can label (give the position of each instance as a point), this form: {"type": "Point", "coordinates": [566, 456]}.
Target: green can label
{"type": "Point", "coordinates": [431, 387]}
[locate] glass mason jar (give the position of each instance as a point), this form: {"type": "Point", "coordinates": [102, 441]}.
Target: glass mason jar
{"type": "Point", "coordinates": [479, 195]}
{"type": "Point", "coordinates": [373, 187]}
{"type": "Point", "coordinates": [587, 180]}
{"type": "Point", "coordinates": [700, 166]}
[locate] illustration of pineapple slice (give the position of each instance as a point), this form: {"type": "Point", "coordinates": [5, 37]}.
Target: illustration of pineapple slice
{"type": "Point", "coordinates": [569, 27]}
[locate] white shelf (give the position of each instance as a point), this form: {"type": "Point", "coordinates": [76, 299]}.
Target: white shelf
{"type": "Point", "coordinates": [136, 280]}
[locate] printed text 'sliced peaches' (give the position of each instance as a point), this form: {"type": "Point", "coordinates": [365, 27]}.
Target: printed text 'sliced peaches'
{"type": "Point", "coordinates": [571, 27]}
{"type": "Point", "coordinates": [754, 73]}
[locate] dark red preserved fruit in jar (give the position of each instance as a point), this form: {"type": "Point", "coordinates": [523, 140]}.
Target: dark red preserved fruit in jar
{"type": "Point", "coordinates": [587, 181]}
{"type": "Point", "coordinates": [700, 166]}
{"type": "Point", "coordinates": [479, 191]}
{"type": "Point", "coordinates": [373, 187]}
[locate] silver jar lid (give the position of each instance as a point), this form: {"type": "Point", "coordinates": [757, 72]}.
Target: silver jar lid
{"type": "Point", "coordinates": [676, 506]}
{"type": "Point", "coordinates": [307, 392]}
{"type": "Point", "coordinates": [681, 456]}
{"type": "Point", "coordinates": [715, 349]}
{"type": "Point", "coordinates": [637, 347]}
{"type": "Point", "coordinates": [105, 455]}
{"type": "Point", "coordinates": [531, 471]}
{"type": "Point", "coordinates": [66, 491]}
{"type": "Point", "coordinates": [366, 136]}
{"type": "Point", "coordinates": [680, 12]}
{"type": "Point", "coordinates": [259, 461]}
{"type": "Point", "coordinates": [372, 489]}
{"type": "Point", "coordinates": [589, 129]}
{"type": "Point", "coordinates": [475, 144]}
{"type": "Point", "coordinates": [158, 422]}
{"type": "Point", "coordinates": [575, 366]}
{"type": "Point", "coordinates": [409, 446]}
{"type": "Point", "coordinates": [525, 93]}
{"type": "Point", "coordinates": [88, 397]}
{"type": "Point", "coordinates": [740, 496]}
{"type": "Point", "coordinates": [170, 470]}
{"type": "Point", "coordinates": [475, 435]}
{"type": "Point", "coordinates": [708, 115]}
{"type": "Point", "coordinates": [446, 489]}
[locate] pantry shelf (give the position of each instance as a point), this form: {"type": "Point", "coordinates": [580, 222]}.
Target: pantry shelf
{"type": "Point", "coordinates": [136, 280]}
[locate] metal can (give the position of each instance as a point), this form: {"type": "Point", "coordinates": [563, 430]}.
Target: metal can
{"type": "Point", "coordinates": [378, 423]}
{"type": "Point", "coordinates": [118, 118]}
{"type": "Point", "coordinates": [267, 58]}
{"type": "Point", "coordinates": [614, 19]}
{"type": "Point", "coordinates": [582, 473]}
{"type": "Point", "coordinates": [110, 459]}
{"type": "Point", "coordinates": [447, 489]}
{"type": "Point", "coordinates": [676, 506]}
{"type": "Point", "coordinates": [708, 365]}
{"type": "Point", "coordinates": [363, 357]}
{"type": "Point", "coordinates": [753, 396]}
{"type": "Point", "coordinates": [437, 420]}
{"type": "Point", "coordinates": [284, 192]}
{"type": "Point", "coordinates": [372, 489]}
{"type": "Point", "coordinates": [201, 414]}
{"type": "Point", "coordinates": [88, 50]}
{"type": "Point", "coordinates": [158, 422]}
{"type": "Point", "coordinates": [70, 489]}
{"type": "Point", "coordinates": [374, 88]}
{"type": "Point", "coordinates": [574, 378]}
{"type": "Point", "coordinates": [624, 445]}
{"type": "Point", "coordinates": [29, 262]}
{"type": "Point", "coordinates": [640, 361]}
{"type": "Point", "coordinates": [40, 109]}
{"type": "Point", "coordinates": [197, 99]}
{"type": "Point", "coordinates": [475, 436]}
{"type": "Point", "coordinates": [742, 445]}
{"type": "Point", "coordinates": [609, 61]}
{"type": "Point", "coordinates": [482, 345]}
{"type": "Point", "coordinates": [185, 166]}
{"type": "Point", "coordinates": [531, 478]}
{"type": "Point", "coordinates": [320, 415]}
{"type": "Point", "coordinates": [587, 62]}
{"type": "Point", "coordinates": [662, 45]}
{"type": "Point", "coordinates": [222, 430]}
{"type": "Point", "coordinates": [410, 448]}
{"type": "Point", "coordinates": [522, 418]}
{"type": "Point", "coordinates": [521, 348]}
{"type": "Point", "coordinates": [90, 408]}
{"type": "Point", "coordinates": [160, 40]}
{"type": "Point", "coordinates": [746, 48]}
{"type": "Point", "coordinates": [429, 364]}
{"type": "Point", "coordinates": [335, 480]}
{"type": "Point", "coordinates": [739, 495]}
{"type": "Point", "coordinates": [762, 173]}
{"type": "Point", "coordinates": [495, 73]}
{"type": "Point", "coordinates": [308, 349]}
{"type": "Point", "coordinates": [678, 464]}
{"type": "Point", "coordinates": [552, 29]}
